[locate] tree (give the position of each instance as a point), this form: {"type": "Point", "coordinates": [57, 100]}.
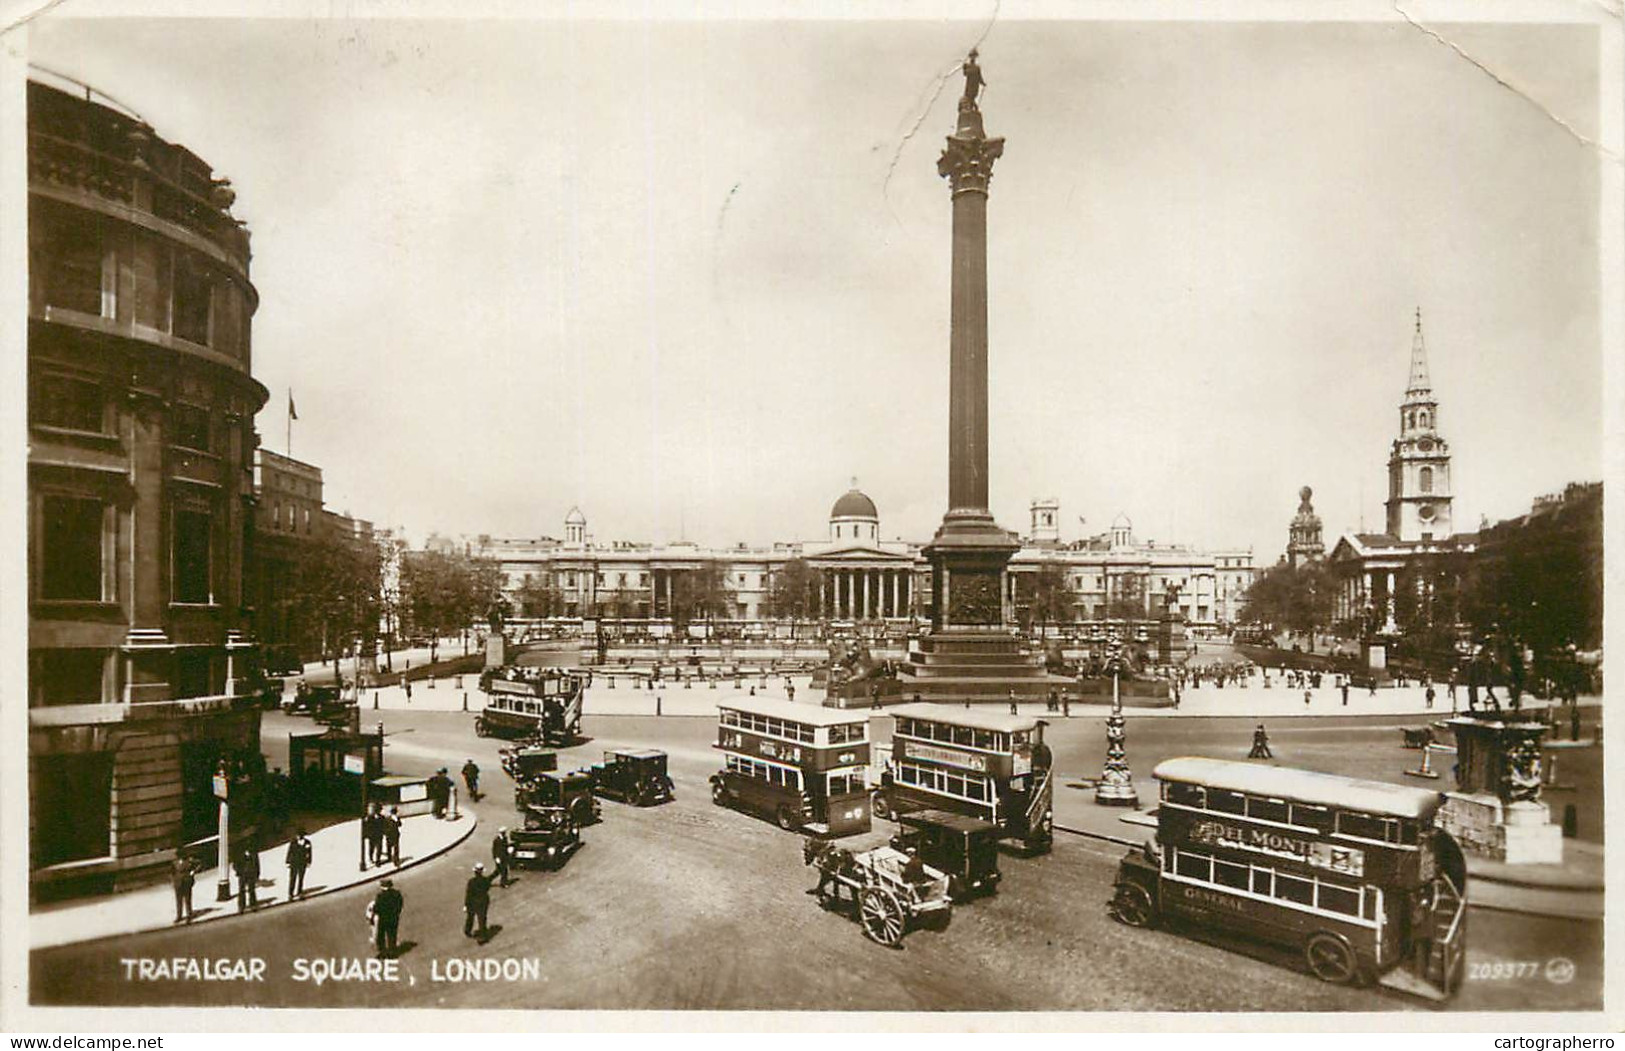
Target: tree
{"type": "Point", "coordinates": [794, 593]}
{"type": "Point", "coordinates": [445, 593]}
{"type": "Point", "coordinates": [339, 584]}
{"type": "Point", "coordinates": [537, 596]}
{"type": "Point", "coordinates": [1125, 599]}
{"type": "Point", "coordinates": [1299, 599]}
{"type": "Point", "coordinates": [1044, 596]}
{"type": "Point", "coordinates": [701, 594]}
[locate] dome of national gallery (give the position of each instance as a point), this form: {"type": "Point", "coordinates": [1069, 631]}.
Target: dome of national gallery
{"type": "Point", "coordinates": [854, 504]}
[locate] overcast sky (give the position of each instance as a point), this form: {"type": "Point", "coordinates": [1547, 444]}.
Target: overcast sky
{"type": "Point", "coordinates": [694, 276]}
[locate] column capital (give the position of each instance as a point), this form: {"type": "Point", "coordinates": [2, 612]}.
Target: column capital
{"type": "Point", "coordinates": [967, 162]}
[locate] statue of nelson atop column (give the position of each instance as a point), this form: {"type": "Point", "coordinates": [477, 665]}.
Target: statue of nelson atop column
{"type": "Point", "coordinates": [974, 82]}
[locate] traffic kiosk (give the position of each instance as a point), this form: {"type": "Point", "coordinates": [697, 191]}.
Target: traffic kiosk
{"type": "Point", "coordinates": [801, 765]}
{"type": "Point", "coordinates": [986, 765]}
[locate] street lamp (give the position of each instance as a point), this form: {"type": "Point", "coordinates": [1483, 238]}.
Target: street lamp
{"type": "Point", "coordinates": [1116, 784]}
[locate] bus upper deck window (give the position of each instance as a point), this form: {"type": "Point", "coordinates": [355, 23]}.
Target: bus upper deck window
{"type": "Point", "coordinates": [1185, 795]}
{"type": "Point", "coordinates": [1408, 833]}
{"type": "Point", "coordinates": [1310, 816]}
{"type": "Point", "coordinates": [984, 739]}
{"type": "Point", "coordinates": [1226, 801]}
{"type": "Point", "coordinates": [1018, 739]}
{"type": "Point", "coordinates": [1364, 826]}
{"type": "Point", "coordinates": [1267, 809]}
{"type": "Point", "coordinates": [964, 735]}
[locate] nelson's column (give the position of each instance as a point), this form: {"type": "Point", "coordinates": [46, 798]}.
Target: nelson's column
{"type": "Point", "coordinates": [971, 653]}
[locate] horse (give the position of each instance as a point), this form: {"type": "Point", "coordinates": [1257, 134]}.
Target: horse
{"type": "Point", "coordinates": [832, 863]}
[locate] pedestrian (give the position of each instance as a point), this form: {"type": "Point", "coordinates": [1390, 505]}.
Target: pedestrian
{"type": "Point", "coordinates": [392, 835]}
{"type": "Point", "coordinates": [1372, 682]}
{"type": "Point", "coordinates": [407, 685]}
{"type": "Point", "coordinates": [1306, 695]}
{"type": "Point", "coordinates": [385, 912]}
{"type": "Point", "coordinates": [790, 691]}
{"type": "Point", "coordinates": [1345, 693]}
{"type": "Point", "coordinates": [476, 903]}
{"type": "Point", "coordinates": [372, 830]}
{"type": "Point", "coordinates": [183, 876]}
{"type": "Point", "coordinates": [1261, 744]}
{"type": "Point", "coordinates": [471, 778]}
{"type": "Point", "coordinates": [438, 796]}
{"type": "Point", "coordinates": [1054, 702]}
{"type": "Point", "coordinates": [299, 856]}
{"type": "Point", "coordinates": [1012, 701]}
{"type": "Point", "coordinates": [1066, 706]}
{"type": "Point", "coordinates": [248, 878]}
{"type": "Point", "coordinates": [1430, 695]}
{"type": "Point", "coordinates": [501, 850]}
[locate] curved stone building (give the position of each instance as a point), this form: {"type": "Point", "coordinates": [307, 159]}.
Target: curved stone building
{"type": "Point", "coordinates": [141, 405]}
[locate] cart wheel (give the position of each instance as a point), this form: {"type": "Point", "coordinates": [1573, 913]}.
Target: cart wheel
{"type": "Point", "coordinates": [479, 726]}
{"type": "Point", "coordinates": [881, 807]}
{"type": "Point", "coordinates": [1331, 960]}
{"type": "Point", "coordinates": [1132, 906]}
{"type": "Point", "coordinates": [787, 819]}
{"type": "Point", "coordinates": [882, 916]}
{"type": "Point", "coordinates": [719, 795]}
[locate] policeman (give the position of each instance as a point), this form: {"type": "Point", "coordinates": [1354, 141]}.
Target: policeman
{"type": "Point", "coordinates": [476, 903]}
{"type": "Point", "coordinates": [501, 850]}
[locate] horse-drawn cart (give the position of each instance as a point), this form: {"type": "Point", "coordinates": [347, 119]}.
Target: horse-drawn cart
{"type": "Point", "coordinates": [888, 889]}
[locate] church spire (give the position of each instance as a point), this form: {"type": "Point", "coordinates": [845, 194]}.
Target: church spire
{"type": "Point", "coordinates": [1420, 385]}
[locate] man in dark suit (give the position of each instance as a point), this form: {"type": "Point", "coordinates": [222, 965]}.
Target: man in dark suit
{"type": "Point", "coordinates": [300, 855]}
{"type": "Point", "coordinates": [248, 878]}
{"type": "Point", "coordinates": [501, 849]}
{"type": "Point", "coordinates": [386, 917]}
{"type": "Point", "coordinates": [392, 835]}
{"type": "Point", "coordinates": [182, 875]}
{"type": "Point", "coordinates": [476, 902]}
{"type": "Point", "coordinates": [372, 829]}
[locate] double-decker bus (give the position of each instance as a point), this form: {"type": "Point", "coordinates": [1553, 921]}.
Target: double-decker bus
{"type": "Point", "coordinates": [1352, 873]}
{"type": "Point", "coordinates": [541, 704]}
{"type": "Point", "coordinates": [984, 764]}
{"type": "Point", "coordinates": [801, 765]}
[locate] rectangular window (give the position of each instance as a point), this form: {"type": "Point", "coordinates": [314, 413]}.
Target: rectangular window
{"type": "Point", "coordinates": [189, 425]}
{"type": "Point", "coordinates": [1291, 888]}
{"type": "Point", "coordinates": [1228, 874]}
{"type": "Point", "coordinates": [150, 271]}
{"type": "Point", "coordinates": [193, 675]}
{"type": "Point", "coordinates": [1185, 795]}
{"type": "Point", "coordinates": [67, 676]}
{"type": "Point", "coordinates": [1267, 809]}
{"type": "Point", "coordinates": [1365, 826]}
{"type": "Point", "coordinates": [1310, 816]}
{"type": "Point", "coordinates": [191, 553]}
{"type": "Point", "coordinates": [71, 544]}
{"type": "Point", "coordinates": [73, 279]}
{"type": "Point", "coordinates": [1226, 802]}
{"type": "Point", "coordinates": [193, 300]}
{"type": "Point", "coordinates": [76, 791]}
{"type": "Point", "coordinates": [67, 402]}
{"type": "Point", "coordinates": [1195, 866]}
{"type": "Point", "coordinates": [1333, 898]}
{"type": "Point", "coordinates": [1264, 882]}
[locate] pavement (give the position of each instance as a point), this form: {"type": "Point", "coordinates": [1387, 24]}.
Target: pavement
{"type": "Point", "coordinates": [628, 696]}
{"type": "Point", "coordinates": [334, 866]}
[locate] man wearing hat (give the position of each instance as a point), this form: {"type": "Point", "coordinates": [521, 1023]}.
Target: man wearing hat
{"type": "Point", "coordinates": [471, 778]}
{"type": "Point", "coordinates": [476, 902]}
{"type": "Point", "coordinates": [501, 849]}
{"type": "Point", "coordinates": [386, 917]}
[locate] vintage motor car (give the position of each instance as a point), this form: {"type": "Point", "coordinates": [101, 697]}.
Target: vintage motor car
{"type": "Point", "coordinates": [966, 848]}
{"type": "Point", "coordinates": [548, 838]}
{"type": "Point", "coordinates": [571, 792]}
{"type": "Point", "coordinates": [636, 776]}
{"type": "Point", "coordinates": [526, 761]}
{"type": "Point", "coordinates": [313, 700]}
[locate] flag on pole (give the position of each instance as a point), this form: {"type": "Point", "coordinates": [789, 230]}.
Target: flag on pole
{"type": "Point", "coordinates": [293, 414]}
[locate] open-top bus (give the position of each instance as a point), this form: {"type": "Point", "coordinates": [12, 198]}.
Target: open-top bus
{"type": "Point", "coordinates": [801, 765]}
{"type": "Point", "coordinates": [542, 704]}
{"type": "Point", "coordinates": [971, 761]}
{"type": "Point", "coordinates": [1352, 873]}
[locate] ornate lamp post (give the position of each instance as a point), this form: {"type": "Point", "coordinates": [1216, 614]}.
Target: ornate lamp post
{"type": "Point", "coordinates": [1116, 785]}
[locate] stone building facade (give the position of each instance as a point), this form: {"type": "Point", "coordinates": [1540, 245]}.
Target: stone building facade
{"type": "Point", "coordinates": [141, 405]}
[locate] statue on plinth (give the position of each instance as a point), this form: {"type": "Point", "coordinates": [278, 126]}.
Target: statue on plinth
{"type": "Point", "coordinates": [974, 81]}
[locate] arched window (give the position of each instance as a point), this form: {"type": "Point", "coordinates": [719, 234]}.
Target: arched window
{"type": "Point", "coordinates": [1426, 479]}
{"type": "Point", "coordinates": [1423, 418]}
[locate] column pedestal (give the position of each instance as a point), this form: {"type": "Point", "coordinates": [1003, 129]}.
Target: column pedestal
{"type": "Point", "coordinates": [1495, 811]}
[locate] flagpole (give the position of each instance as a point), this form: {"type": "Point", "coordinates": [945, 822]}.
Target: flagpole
{"type": "Point", "coordinates": [290, 423]}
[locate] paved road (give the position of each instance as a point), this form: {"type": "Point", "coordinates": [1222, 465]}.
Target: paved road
{"type": "Point", "coordinates": [689, 906]}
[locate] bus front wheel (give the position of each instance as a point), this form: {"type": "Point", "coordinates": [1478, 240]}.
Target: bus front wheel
{"type": "Point", "coordinates": [479, 726]}
{"type": "Point", "coordinates": [881, 807]}
{"type": "Point", "coordinates": [1132, 906]}
{"type": "Point", "coordinates": [719, 795]}
{"type": "Point", "coordinates": [1331, 959]}
{"type": "Point", "coordinates": [787, 820]}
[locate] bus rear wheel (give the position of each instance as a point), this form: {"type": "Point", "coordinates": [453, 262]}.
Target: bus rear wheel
{"type": "Point", "coordinates": [881, 807]}
{"type": "Point", "coordinates": [479, 727]}
{"type": "Point", "coordinates": [787, 820]}
{"type": "Point", "coordinates": [1331, 960]}
{"type": "Point", "coordinates": [1132, 906]}
{"type": "Point", "coordinates": [719, 795]}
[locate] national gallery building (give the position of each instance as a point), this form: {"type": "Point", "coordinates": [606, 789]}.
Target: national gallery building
{"type": "Point", "coordinates": [862, 578]}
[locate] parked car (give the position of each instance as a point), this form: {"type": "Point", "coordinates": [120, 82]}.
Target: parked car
{"type": "Point", "coordinates": [636, 776]}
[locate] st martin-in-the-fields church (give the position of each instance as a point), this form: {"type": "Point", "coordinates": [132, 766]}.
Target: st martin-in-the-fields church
{"type": "Point", "coordinates": [1370, 566]}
